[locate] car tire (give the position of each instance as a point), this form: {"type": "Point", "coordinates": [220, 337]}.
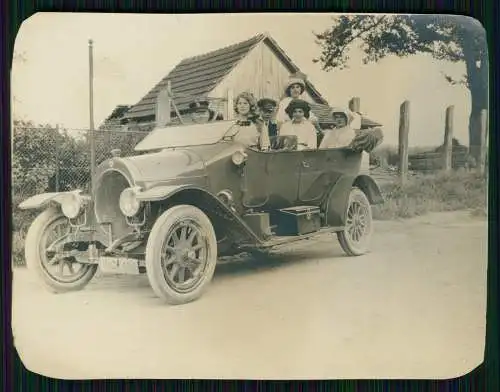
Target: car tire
{"type": "Point", "coordinates": [164, 239]}
{"type": "Point", "coordinates": [355, 238]}
{"type": "Point", "coordinates": [35, 256]}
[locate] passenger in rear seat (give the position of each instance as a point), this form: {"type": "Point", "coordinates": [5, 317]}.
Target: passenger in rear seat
{"type": "Point", "coordinates": [299, 125]}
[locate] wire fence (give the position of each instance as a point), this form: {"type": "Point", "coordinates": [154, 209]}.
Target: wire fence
{"type": "Point", "coordinates": [48, 159]}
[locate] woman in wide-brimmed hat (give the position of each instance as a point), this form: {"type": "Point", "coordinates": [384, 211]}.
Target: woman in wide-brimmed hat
{"type": "Point", "coordinates": [299, 112]}
{"type": "Point", "coordinates": [251, 125]}
{"type": "Point", "coordinates": [341, 134]}
{"type": "Point", "coordinates": [344, 135]}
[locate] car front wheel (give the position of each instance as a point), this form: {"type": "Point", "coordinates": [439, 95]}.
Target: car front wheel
{"type": "Point", "coordinates": [181, 254]}
{"type": "Point", "coordinates": [45, 256]}
{"type": "Point", "coordinates": [356, 237]}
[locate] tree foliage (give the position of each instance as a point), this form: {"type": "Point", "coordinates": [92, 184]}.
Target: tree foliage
{"type": "Point", "coordinates": [444, 37]}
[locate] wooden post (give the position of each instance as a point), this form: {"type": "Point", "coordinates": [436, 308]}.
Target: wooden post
{"type": "Point", "coordinates": [404, 128]}
{"type": "Point", "coordinates": [483, 140]}
{"type": "Point", "coordinates": [163, 107]}
{"type": "Point", "coordinates": [448, 139]}
{"type": "Point", "coordinates": [230, 104]}
{"type": "Point", "coordinates": [354, 104]}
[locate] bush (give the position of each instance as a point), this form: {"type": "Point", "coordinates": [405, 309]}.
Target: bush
{"type": "Point", "coordinates": [458, 190]}
{"type": "Point", "coordinates": [46, 159]}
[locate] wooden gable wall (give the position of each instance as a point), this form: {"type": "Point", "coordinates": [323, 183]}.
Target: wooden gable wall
{"type": "Point", "coordinates": [261, 72]}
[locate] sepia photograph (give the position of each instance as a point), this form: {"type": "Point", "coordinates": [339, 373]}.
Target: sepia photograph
{"type": "Point", "coordinates": [249, 196]}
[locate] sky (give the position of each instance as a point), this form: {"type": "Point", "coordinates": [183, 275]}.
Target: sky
{"type": "Point", "coordinates": [134, 52]}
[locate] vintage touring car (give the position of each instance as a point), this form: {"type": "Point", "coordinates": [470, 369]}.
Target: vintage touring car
{"type": "Point", "coordinates": [191, 195]}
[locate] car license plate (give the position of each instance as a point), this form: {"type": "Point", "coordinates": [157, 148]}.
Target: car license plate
{"type": "Point", "coordinates": [119, 265]}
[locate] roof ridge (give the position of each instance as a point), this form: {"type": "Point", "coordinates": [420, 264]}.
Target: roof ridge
{"type": "Point", "coordinates": [257, 38]}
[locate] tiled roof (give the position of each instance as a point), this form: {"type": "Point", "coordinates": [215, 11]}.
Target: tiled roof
{"type": "Point", "coordinates": [114, 119]}
{"type": "Point", "coordinates": [197, 76]}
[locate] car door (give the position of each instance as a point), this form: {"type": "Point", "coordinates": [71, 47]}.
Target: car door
{"type": "Point", "coordinates": [270, 179]}
{"type": "Point", "coordinates": [314, 176]}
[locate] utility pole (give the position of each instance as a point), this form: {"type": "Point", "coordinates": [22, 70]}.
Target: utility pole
{"type": "Point", "coordinates": [91, 119]}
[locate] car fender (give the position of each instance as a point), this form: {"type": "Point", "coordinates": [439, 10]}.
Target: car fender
{"type": "Point", "coordinates": [336, 202]}
{"type": "Point", "coordinates": [216, 210]}
{"type": "Point", "coordinates": [44, 199]}
{"type": "Point", "coordinates": [368, 185]}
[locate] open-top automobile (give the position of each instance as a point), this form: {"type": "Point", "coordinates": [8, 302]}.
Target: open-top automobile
{"type": "Point", "coordinates": [193, 193]}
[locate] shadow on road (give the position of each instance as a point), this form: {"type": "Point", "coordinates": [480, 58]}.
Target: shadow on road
{"type": "Point", "coordinates": [249, 264]}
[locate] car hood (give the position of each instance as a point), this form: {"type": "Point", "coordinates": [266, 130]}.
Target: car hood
{"type": "Point", "coordinates": [167, 165]}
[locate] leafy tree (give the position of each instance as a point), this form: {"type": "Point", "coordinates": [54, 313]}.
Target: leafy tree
{"type": "Point", "coordinates": [445, 37]}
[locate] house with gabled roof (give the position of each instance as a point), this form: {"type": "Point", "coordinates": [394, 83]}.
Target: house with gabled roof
{"type": "Point", "coordinates": [257, 65]}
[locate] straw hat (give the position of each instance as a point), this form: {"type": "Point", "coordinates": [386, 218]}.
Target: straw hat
{"type": "Point", "coordinates": [296, 78]}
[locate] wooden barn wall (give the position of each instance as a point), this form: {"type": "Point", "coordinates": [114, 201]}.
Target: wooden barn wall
{"type": "Point", "coordinates": [260, 72]}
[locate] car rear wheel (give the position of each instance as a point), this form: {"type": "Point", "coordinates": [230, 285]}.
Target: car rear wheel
{"type": "Point", "coordinates": [356, 237]}
{"type": "Point", "coordinates": [181, 254]}
{"type": "Point", "coordinates": [45, 257]}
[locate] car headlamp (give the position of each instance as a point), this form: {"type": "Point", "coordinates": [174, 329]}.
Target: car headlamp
{"type": "Point", "coordinates": [239, 157]}
{"type": "Point", "coordinates": [71, 205]}
{"type": "Point", "coordinates": [129, 204]}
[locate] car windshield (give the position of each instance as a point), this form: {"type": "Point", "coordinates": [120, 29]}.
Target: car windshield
{"type": "Point", "coordinates": [184, 135]}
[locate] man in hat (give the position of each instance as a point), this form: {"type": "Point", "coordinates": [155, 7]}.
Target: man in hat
{"type": "Point", "coordinates": [299, 111]}
{"type": "Point", "coordinates": [267, 108]}
{"type": "Point", "coordinates": [201, 113]}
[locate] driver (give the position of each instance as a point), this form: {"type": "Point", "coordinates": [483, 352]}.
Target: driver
{"type": "Point", "coordinates": [201, 113]}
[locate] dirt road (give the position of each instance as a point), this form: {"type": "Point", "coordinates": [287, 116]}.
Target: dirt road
{"type": "Point", "coordinates": [413, 308]}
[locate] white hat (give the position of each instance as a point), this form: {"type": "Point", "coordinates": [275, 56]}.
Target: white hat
{"type": "Point", "coordinates": [349, 115]}
{"type": "Point", "coordinates": [297, 78]}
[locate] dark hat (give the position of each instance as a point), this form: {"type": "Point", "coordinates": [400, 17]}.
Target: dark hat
{"type": "Point", "coordinates": [264, 103]}
{"type": "Point", "coordinates": [267, 104]}
{"type": "Point", "coordinates": [298, 104]}
{"type": "Point", "coordinates": [198, 106]}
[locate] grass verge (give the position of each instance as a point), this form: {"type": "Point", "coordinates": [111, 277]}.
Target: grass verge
{"type": "Point", "coordinates": [457, 190]}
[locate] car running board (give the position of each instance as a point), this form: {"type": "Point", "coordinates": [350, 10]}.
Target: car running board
{"type": "Point", "coordinates": [281, 240]}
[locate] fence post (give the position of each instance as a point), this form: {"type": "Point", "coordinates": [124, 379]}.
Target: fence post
{"type": "Point", "coordinates": [404, 128]}
{"type": "Point", "coordinates": [230, 103]}
{"type": "Point", "coordinates": [448, 139]}
{"type": "Point", "coordinates": [57, 158]}
{"type": "Point", "coordinates": [483, 140]}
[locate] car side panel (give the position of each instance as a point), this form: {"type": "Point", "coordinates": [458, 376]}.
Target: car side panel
{"type": "Point", "coordinates": [320, 169]}
{"type": "Point", "coordinates": [314, 176]}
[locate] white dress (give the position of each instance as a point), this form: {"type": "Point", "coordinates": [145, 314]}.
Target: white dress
{"type": "Point", "coordinates": [305, 132]}
{"type": "Point", "coordinates": [337, 137]}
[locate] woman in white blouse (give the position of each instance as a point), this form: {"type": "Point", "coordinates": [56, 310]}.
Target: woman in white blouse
{"type": "Point", "coordinates": [298, 112]}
